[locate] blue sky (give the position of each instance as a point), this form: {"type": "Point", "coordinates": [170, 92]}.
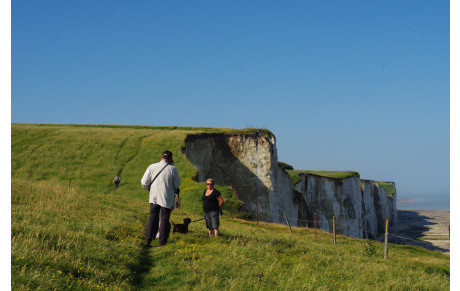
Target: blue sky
{"type": "Point", "coordinates": [344, 85]}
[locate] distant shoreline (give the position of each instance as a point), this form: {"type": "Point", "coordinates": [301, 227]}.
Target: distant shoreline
{"type": "Point", "coordinates": [424, 209]}
{"type": "Point", "coordinates": [428, 228]}
{"type": "Point", "coordinates": [424, 203]}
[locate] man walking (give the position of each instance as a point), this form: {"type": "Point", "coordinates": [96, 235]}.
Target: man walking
{"type": "Point", "coordinates": [162, 181]}
{"type": "Point", "coordinates": [117, 181]}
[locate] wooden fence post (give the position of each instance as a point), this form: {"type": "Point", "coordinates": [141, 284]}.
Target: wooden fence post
{"type": "Point", "coordinates": [231, 209]}
{"type": "Point", "coordinates": [385, 256]}
{"type": "Point", "coordinates": [285, 216]}
{"type": "Point", "coordinates": [257, 211]}
{"type": "Point", "coordinates": [333, 229]}
{"type": "Point", "coordinates": [314, 222]}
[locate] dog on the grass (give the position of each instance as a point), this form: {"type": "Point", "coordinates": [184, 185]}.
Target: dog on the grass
{"type": "Point", "coordinates": [183, 227]}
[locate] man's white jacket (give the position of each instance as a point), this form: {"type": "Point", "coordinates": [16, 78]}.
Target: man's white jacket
{"type": "Point", "coordinates": [162, 189]}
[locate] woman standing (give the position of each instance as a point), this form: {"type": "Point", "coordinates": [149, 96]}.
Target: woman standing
{"type": "Point", "coordinates": [211, 207]}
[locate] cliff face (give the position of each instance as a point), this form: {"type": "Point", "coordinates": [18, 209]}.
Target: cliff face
{"type": "Point", "coordinates": [360, 207]}
{"type": "Point", "coordinates": [249, 164]}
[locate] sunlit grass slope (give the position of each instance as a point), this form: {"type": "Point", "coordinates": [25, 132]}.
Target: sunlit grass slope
{"type": "Point", "coordinates": [70, 229]}
{"type": "Point", "coordinates": [89, 157]}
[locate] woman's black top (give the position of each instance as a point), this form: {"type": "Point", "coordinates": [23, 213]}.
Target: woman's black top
{"type": "Point", "coordinates": [210, 203]}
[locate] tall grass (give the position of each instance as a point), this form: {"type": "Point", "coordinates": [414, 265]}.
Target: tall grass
{"type": "Point", "coordinates": [83, 235]}
{"type": "Point", "coordinates": [67, 238]}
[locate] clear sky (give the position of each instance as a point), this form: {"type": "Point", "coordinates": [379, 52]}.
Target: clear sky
{"type": "Point", "coordinates": [343, 85]}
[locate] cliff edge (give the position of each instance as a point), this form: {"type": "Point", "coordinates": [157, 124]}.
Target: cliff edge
{"type": "Point", "coordinates": [249, 164]}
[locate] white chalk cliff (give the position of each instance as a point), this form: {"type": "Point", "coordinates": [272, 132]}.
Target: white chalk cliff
{"type": "Point", "coordinates": [249, 164]}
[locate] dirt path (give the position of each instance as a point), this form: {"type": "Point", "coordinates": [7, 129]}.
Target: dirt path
{"type": "Point", "coordinates": [425, 227]}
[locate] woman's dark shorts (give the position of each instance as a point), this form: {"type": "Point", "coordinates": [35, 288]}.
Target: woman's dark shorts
{"type": "Point", "coordinates": [212, 219]}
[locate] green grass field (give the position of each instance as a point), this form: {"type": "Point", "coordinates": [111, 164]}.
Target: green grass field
{"type": "Point", "coordinates": [71, 231]}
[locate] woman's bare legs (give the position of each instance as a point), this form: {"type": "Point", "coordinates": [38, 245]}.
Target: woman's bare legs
{"type": "Point", "coordinates": [213, 232]}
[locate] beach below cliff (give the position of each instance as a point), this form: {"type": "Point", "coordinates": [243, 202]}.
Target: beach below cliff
{"type": "Point", "coordinates": [427, 228]}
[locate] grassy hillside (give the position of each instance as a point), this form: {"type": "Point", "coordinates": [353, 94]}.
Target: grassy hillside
{"type": "Point", "coordinates": [71, 230]}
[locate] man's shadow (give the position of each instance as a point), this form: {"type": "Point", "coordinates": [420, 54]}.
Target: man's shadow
{"type": "Point", "coordinates": [141, 267]}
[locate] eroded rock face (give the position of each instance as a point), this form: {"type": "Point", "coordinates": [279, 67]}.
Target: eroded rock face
{"type": "Point", "coordinates": [249, 164]}
{"type": "Point", "coordinates": [384, 205]}
{"type": "Point", "coordinates": [327, 197]}
{"type": "Point", "coordinates": [360, 207]}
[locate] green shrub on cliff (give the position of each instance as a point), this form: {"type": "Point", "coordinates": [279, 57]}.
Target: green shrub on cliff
{"type": "Point", "coordinates": [285, 166]}
{"type": "Point", "coordinates": [388, 186]}
{"type": "Point", "coordinates": [338, 175]}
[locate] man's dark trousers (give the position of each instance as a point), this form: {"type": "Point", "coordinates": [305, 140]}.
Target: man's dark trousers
{"type": "Point", "coordinates": [152, 226]}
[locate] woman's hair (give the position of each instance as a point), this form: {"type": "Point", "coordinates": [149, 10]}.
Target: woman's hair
{"type": "Point", "coordinates": [210, 180]}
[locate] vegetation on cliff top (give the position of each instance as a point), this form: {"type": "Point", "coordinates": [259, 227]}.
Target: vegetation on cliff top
{"type": "Point", "coordinates": [285, 166]}
{"type": "Point", "coordinates": [338, 175]}
{"type": "Point", "coordinates": [71, 230]}
{"type": "Point", "coordinates": [388, 186]}
{"type": "Point", "coordinates": [165, 128]}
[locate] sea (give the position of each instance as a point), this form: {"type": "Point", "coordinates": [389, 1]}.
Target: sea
{"type": "Point", "coordinates": [424, 202]}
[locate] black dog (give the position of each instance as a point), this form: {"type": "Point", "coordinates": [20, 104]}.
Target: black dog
{"type": "Point", "coordinates": [182, 228]}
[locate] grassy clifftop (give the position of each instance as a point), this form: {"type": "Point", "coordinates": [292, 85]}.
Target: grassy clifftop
{"type": "Point", "coordinates": [339, 175]}
{"type": "Point", "coordinates": [388, 186]}
{"type": "Point", "coordinates": [71, 230]}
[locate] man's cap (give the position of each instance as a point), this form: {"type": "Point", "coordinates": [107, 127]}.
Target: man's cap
{"type": "Point", "coordinates": [166, 155]}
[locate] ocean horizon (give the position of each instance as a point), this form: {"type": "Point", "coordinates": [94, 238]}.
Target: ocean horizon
{"type": "Point", "coordinates": [435, 203]}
